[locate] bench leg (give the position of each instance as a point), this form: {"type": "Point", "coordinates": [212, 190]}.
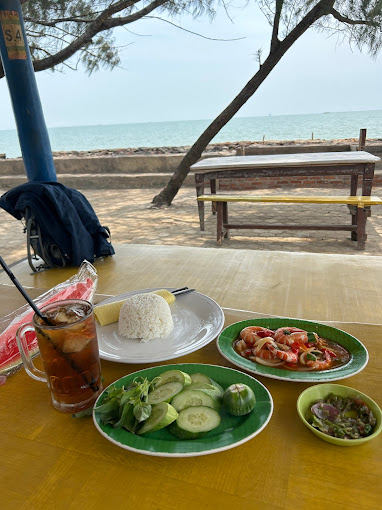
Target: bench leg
{"type": "Point", "coordinates": [353, 192]}
{"type": "Point", "coordinates": [353, 209]}
{"type": "Point", "coordinates": [361, 228]}
{"type": "Point", "coordinates": [225, 219]}
{"type": "Point", "coordinates": [219, 222]}
{"type": "Point", "coordinates": [199, 185]}
{"type": "Point", "coordinates": [201, 214]}
{"type": "Point", "coordinates": [213, 192]}
{"type": "Point", "coordinates": [367, 186]}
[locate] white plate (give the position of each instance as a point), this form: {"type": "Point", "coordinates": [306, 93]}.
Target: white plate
{"type": "Point", "coordinates": [197, 321]}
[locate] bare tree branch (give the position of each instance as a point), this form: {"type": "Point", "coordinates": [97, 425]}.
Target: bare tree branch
{"type": "Point", "coordinates": [54, 22]}
{"type": "Point", "coordinates": [100, 24]}
{"type": "Point", "coordinates": [345, 19]}
{"type": "Point", "coordinates": [194, 33]}
{"type": "Point", "coordinates": [276, 24]}
{"type": "Point", "coordinates": [117, 22]}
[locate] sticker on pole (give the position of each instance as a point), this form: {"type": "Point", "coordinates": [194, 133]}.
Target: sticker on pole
{"type": "Point", "coordinates": [13, 36]}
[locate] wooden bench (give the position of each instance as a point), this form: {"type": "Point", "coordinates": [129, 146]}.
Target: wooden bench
{"type": "Point", "coordinates": [359, 208]}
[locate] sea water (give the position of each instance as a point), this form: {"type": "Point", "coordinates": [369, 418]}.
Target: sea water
{"type": "Point", "coordinates": [323, 126]}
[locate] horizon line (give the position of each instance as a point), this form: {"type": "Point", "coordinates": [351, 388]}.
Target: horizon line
{"type": "Point", "coordinates": [201, 120]}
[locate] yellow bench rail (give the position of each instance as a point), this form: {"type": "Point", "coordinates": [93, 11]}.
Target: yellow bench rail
{"type": "Point", "coordinates": [287, 199]}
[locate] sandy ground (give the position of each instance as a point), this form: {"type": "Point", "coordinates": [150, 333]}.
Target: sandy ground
{"type": "Point", "coordinates": [132, 220]}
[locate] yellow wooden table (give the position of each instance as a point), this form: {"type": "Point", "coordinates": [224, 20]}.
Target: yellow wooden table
{"type": "Point", "coordinates": [50, 460]}
{"type": "Point", "coordinates": [304, 285]}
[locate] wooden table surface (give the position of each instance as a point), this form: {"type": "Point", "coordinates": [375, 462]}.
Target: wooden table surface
{"type": "Point", "coordinates": [303, 285]}
{"type": "Point", "coordinates": [50, 460]}
{"type": "Point", "coordinates": [286, 160]}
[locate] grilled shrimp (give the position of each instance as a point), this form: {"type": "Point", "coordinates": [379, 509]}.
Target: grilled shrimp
{"type": "Point", "coordinates": [290, 355]}
{"type": "Point", "coordinates": [261, 348]}
{"type": "Point", "coordinates": [289, 336]}
{"type": "Point", "coordinates": [320, 364]}
{"type": "Point", "coordinates": [253, 333]}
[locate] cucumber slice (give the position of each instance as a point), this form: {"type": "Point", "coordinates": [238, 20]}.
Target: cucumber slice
{"type": "Point", "coordinates": [203, 378]}
{"type": "Point", "coordinates": [214, 383]}
{"type": "Point", "coordinates": [172, 376]}
{"type": "Point", "coordinates": [208, 388]}
{"type": "Point", "coordinates": [200, 378]}
{"type": "Point", "coordinates": [192, 398]}
{"type": "Point", "coordinates": [164, 393]}
{"type": "Point", "coordinates": [194, 422]}
{"type": "Point", "coordinates": [162, 414]}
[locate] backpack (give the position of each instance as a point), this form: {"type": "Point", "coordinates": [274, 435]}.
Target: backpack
{"type": "Point", "coordinates": [40, 250]}
{"type": "Point", "coordinates": [61, 226]}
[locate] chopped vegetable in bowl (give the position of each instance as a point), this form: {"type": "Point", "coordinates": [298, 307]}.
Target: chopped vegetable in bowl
{"type": "Point", "coordinates": [342, 417]}
{"type": "Point", "coordinates": [339, 414]}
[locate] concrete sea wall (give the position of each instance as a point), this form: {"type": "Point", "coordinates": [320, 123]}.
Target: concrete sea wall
{"type": "Point", "coordinates": [154, 170]}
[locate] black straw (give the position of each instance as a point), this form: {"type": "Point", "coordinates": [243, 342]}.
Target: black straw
{"type": "Point", "coordinates": [25, 295]}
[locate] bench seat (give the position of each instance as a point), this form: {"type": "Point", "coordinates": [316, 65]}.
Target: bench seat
{"type": "Point", "coordinates": [359, 207]}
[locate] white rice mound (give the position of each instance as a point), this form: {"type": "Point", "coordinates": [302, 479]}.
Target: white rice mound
{"type": "Point", "coordinates": [145, 316]}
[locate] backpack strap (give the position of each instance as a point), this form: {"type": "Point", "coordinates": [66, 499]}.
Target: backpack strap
{"type": "Point", "coordinates": [108, 231]}
{"type": "Point", "coordinates": [53, 256]}
{"type": "Point", "coordinates": [34, 241]}
{"type": "Point", "coordinates": [49, 252]}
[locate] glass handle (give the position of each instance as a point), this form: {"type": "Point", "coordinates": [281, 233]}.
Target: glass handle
{"type": "Point", "coordinates": [22, 344]}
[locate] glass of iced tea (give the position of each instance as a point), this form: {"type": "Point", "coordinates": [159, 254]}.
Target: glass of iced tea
{"type": "Point", "coordinates": [69, 352]}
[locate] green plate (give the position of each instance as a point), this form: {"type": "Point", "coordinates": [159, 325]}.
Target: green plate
{"type": "Point", "coordinates": [232, 431]}
{"type": "Point", "coordinates": [358, 360]}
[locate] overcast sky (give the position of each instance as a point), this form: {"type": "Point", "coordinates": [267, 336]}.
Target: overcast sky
{"type": "Point", "coordinates": [168, 74]}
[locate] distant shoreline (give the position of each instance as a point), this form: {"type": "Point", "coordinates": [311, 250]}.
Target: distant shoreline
{"type": "Point", "coordinates": [176, 137]}
{"type": "Point", "coordinates": [223, 147]}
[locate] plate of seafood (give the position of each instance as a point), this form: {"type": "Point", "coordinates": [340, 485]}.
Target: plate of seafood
{"type": "Point", "coordinates": [292, 350]}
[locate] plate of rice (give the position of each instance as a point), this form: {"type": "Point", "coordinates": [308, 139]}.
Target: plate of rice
{"type": "Point", "coordinates": [162, 332]}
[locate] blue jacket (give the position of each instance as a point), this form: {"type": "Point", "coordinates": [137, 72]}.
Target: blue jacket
{"type": "Point", "coordinates": [65, 216]}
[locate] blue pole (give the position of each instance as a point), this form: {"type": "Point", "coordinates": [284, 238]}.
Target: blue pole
{"type": "Point", "coordinates": [19, 72]}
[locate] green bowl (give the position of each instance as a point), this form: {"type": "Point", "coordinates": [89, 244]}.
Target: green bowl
{"type": "Point", "coordinates": [314, 393]}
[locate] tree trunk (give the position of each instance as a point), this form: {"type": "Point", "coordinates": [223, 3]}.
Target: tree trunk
{"type": "Point", "coordinates": [167, 195]}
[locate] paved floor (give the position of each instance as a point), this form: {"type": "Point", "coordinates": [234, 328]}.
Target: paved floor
{"type": "Point", "coordinates": [131, 219]}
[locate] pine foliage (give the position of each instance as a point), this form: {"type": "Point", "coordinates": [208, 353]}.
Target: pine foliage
{"type": "Point", "coordinates": [55, 27]}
